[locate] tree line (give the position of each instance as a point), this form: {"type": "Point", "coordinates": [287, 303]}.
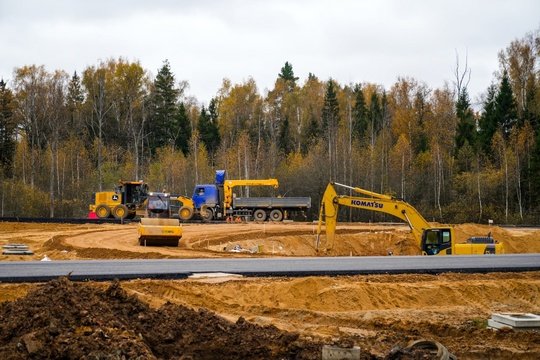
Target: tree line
{"type": "Point", "coordinates": [64, 137]}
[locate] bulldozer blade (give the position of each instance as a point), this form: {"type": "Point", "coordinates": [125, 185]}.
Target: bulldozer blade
{"type": "Point", "coordinates": [159, 232]}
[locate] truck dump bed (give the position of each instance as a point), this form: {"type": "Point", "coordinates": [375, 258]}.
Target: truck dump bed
{"type": "Point", "coordinates": [273, 202]}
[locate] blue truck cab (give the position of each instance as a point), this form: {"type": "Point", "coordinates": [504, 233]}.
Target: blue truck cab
{"type": "Point", "coordinates": [206, 194]}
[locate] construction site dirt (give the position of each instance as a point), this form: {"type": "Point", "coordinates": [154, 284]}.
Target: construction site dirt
{"type": "Point", "coordinates": [232, 317]}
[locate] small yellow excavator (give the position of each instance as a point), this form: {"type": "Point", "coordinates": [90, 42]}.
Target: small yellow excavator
{"type": "Point", "coordinates": [432, 240]}
{"type": "Point", "coordinates": [157, 228]}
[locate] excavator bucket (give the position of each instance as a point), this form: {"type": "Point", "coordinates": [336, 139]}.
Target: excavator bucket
{"type": "Point", "coordinates": [159, 232]}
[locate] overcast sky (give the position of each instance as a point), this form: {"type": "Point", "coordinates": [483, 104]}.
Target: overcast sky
{"type": "Point", "coordinates": [206, 41]}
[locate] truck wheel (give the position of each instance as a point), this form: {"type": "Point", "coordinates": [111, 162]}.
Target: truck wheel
{"type": "Point", "coordinates": [259, 215]}
{"type": "Point", "coordinates": [276, 215]}
{"type": "Point", "coordinates": [185, 213]}
{"type": "Point", "coordinates": [120, 212]}
{"type": "Point", "coordinates": [103, 211]}
{"type": "Point", "coordinates": [206, 213]}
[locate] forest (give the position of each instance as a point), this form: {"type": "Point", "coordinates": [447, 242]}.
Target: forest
{"type": "Point", "coordinates": [65, 136]}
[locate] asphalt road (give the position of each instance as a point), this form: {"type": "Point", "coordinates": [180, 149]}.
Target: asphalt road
{"type": "Point", "coordinates": [32, 271]}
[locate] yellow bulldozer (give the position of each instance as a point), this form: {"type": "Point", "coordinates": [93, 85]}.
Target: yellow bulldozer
{"type": "Point", "coordinates": [431, 240]}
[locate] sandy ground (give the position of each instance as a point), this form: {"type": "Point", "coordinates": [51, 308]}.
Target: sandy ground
{"type": "Point", "coordinates": [376, 311]}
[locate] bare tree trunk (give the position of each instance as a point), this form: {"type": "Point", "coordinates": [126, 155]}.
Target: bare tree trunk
{"type": "Point", "coordinates": [403, 176]}
{"type": "Point", "coordinates": [479, 188]}
{"type": "Point", "coordinates": [350, 157]}
{"type": "Point", "coordinates": [246, 166]}
{"type": "Point", "coordinates": [518, 186]}
{"type": "Point", "coordinates": [505, 187]}
{"type": "Point", "coordinates": [51, 183]}
{"type": "Point", "coordinates": [195, 156]}
{"type": "Point", "coordinates": [24, 163]}
{"type": "Point", "coordinates": [58, 178]}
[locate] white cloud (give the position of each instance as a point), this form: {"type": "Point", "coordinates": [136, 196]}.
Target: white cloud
{"type": "Point", "coordinates": [205, 41]}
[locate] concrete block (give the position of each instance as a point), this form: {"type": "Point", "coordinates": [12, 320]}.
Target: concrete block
{"type": "Point", "coordinates": [337, 353]}
{"type": "Point", "coordinates": [517, 320]}
{"type": "Point", "coordinates": [497, 325]}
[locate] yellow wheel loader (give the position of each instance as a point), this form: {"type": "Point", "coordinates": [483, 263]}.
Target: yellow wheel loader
{"type": "Point", "coordinates": [157, 228]}
{"type": "Point", "coordinates": [431, 240]}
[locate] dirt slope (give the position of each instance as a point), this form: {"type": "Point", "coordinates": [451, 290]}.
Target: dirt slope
{"type": "Point", "coordinates": [76, 321]}
{"type": "Point", "coordinates": [374, 312]}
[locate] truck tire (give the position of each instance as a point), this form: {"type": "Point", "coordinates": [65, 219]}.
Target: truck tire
{"type": "Point", "coordinates": [185, 213]}
{"type": "Point", "coordinates": [259, 215]}
{"type": "Point", "coordinates": [206, 213]}
{"type": "Point", "coordinates": [120, 212]}
{"type": "Point", "coordinates": [103, 211]}
{"type": "Point", "coordinates": [276, 215]}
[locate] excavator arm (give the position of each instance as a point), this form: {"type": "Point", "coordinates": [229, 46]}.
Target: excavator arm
{"type": "Point", "coordinates": [331, 202]}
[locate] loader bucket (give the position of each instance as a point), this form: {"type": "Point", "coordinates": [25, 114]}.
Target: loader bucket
{"type": "Point", "coordinates": [159, 232]}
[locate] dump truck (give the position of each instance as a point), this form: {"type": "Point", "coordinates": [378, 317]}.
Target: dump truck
{"type": "Point", "coordinates": [431, 240]}
{"type": "Point", "coordinates": [157, 228]}
{"type": "Point", "coordinates": [218, 201]}
{"type": "Point", "coordinates": [125, 202]}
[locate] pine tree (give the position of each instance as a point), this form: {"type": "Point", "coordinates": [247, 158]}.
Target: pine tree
{"type": "Point", "coordinates": [330, 122]}
{"type": "Point", "coordinates": [7, 128]}
{"type": "Point", "coordinates": [359, 113]}
{"type": "Point", "coordinates": [311, 134]}
{"type": "Point", "coordinates": [488, 121]}
{"type": "Point", "coordinates": [330, 113]}
{"type": "Point", "coordinates": [466, 126]}
{"type": "Point", "coordinates": [534, 172]}
{"type": "Point", "coordinates": [505, 106]}
{"type": "Point", "coordinates": [287, 74]}
{"type": "Point", "coordinates": [208, 127]}
{"type": "Point", "coordinates": [164, 98]}
{"type": "Point", "coordinates": [285, 136]}
{"type": "Point", "coordinates": [181, 129]}
{"type": "Point", "coordinates": [214, 136]}
{"type": "Point", "coordinates": [74, 102]}
{"type": "Point", "coordinates": [375, 115]}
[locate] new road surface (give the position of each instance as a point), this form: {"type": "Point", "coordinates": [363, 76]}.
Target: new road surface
{"type": "Point", "coordinates": [32, 271]}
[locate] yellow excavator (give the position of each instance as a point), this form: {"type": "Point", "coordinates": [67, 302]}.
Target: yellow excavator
{"type": "Point", "coordinates": [431, 240]}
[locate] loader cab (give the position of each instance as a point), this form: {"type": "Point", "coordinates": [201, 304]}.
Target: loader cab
{"type": "Point", "coordinates": [437, 241]}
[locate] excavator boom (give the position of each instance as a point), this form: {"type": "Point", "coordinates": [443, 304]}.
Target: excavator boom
{"type": "Point", "coordinates": [376, 202]}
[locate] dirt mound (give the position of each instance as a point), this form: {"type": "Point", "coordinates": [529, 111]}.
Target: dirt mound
{"type": "Point", "coordinates": [62, 319]}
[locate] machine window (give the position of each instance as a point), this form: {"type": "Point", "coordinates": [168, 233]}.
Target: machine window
{"type": "Point", "coordinates": [432, 237]}
{"type": "Point", "coordinates": [446, 236]}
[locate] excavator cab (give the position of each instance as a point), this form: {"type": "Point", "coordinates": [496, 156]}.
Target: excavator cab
{"type": "Point", "coordinates": [437, 242]}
